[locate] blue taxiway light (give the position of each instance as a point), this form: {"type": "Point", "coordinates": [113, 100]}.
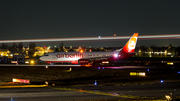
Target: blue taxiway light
{"type": "Point", "coordinates": [162, 81]}
{"type": "Point", "coordinates": [95, 83]}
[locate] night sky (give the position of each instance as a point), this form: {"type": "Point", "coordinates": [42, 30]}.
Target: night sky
{"type": "Point", "coordinates": [31, 19]}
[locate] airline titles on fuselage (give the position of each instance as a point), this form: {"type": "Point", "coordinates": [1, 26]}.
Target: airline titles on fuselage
{"type": "Point", "coordinates": [69, 55]}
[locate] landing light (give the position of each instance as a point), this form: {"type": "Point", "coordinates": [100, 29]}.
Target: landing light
{"type": "Point", "coordinates": [115, 55]}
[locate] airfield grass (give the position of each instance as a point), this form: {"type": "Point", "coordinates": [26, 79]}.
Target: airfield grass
{"type": "Point", "coordinates": [87, 76]}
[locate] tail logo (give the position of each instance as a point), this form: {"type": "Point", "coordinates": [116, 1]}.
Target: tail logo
{"type": "Point", "coordinates": [132, 43]}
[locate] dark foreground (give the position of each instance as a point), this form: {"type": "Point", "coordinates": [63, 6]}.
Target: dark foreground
{"type": "Point", "coordinates": [112, 82]}
{"type": "Point", "coordinates": [96, 93]}
{"type": "Point", "coordinates": [63, 76]}
{"type": "Point", "coordinates": [46, 94]}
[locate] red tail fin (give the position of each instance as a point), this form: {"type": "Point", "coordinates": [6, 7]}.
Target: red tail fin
{"type": "Point", "coordinates": [131, 44]}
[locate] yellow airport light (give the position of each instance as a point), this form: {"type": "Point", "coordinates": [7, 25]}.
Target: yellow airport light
{"type": "Point", "coordinates": [168, 97]}
{"type": "Point", "coordinates": [133, 73]}
{"type": "Point", "coordinates": [32, 62]}
{"type": "Point", "coordinates": [26, 56]}
{"type": "Point", "coordinates": [137, 74]}
{"type": "Point", "coordinates": [105, 61]}
{"type": "Point", "coordinates": [170, 63]}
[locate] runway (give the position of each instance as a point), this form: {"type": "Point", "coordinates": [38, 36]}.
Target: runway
{"type": "Point", "coordinates": [46, 94]}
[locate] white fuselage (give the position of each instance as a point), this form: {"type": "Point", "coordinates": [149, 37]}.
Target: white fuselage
{"type": "Point", "coordinates": [84, 57]}
{"type": "Point", "coordinates": [75, 56]}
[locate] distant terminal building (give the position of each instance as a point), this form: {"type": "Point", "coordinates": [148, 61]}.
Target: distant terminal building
{"type": "Point", "coordinates": [5, 52]}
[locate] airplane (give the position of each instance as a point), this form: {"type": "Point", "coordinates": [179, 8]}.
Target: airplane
{"type": "Point", "coordinates": [92, 58]}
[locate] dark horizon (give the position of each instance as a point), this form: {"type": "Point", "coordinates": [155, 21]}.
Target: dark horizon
{"type": "Point", "coordinates": [32, 19]}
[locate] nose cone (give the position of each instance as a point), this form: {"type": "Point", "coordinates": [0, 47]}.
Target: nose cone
{"type": "Point", "coordinates": [41, 58]}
